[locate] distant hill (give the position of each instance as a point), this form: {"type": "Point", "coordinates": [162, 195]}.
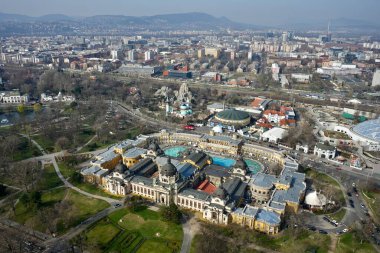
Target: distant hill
{"type": "Point", "coordinates": [193, 19]}
{"type": "Point", "coordinates": [5, 17]}
{"type": "Point", "coordinates": [335, 25]}
{"type": "Point", "coordinates": [167, 19]}
{"type": "Point", "coordinates": [14, 24]}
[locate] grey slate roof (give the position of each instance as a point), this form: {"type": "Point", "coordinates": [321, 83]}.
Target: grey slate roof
{"type": "Point", "coordinates": [196, 194]}
{"type": "Point", "coordinates": [235, 188]}
{"type": "Point", "coordinates": [216, 171]}
{"type": "Point", "coordinates": [263, 180]}
{"type": "Point", "coordinates": [144, 180]}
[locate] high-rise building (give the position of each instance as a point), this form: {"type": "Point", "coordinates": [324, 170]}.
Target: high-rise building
{"type": "Point", "coordinates": [132, 55]}
{"type": "Point", "coordinates": [376, 78]}
{"type": "Point", "coordinates": [201, 53]}
{"type": "Point", "coordinates": [149, 55]}
{"type": "Point", "coordinates": [285, 37]}
{"type": "Point", "coordinates": [116, 54]}
{"type": "Point", "coordinates": [250, 55]}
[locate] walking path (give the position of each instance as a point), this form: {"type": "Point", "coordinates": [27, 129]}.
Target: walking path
{"type": "Point", "coordinates": [190, 228]}
{"type": "Point", "coordinates": [35, 144]}
{"type": "Point", "coordinates": [87, 143]}
{"type": "Point", "coordinates": [71, 186]}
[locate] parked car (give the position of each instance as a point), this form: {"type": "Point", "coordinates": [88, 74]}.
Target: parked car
{"type": "Point", "coordinates": [189, 127]}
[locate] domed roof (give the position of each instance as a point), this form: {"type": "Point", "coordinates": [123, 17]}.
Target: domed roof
{"type": "Point", "coordinates": [220, 193]}
{"type": "Point", "coordinates": [232, 114]}
{"type": "Point", "coordinates": [315, 199]}
{"type": "Point", "coordinates": [168, 169]}
{"type": "Point", "coordinates": [184, 106]}
{"type": "Point", "coordinates": [121, 168]}
{"type": "Point", "coordinates": [217, 129]}
{"type": "Point", "coordinates": [369, 129]}
{"type": "Point", "coordinates": [155, 147]}
{"type": "Point", "coordinates": [240, 163]}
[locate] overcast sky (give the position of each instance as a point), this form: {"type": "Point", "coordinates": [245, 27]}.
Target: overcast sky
{"type": "Point", "coordinates": [270, 12]}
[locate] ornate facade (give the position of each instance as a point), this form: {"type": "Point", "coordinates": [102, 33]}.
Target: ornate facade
{"type": "Point", "coordinates": [230, 190]}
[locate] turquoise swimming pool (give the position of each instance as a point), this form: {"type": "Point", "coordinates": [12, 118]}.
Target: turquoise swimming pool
{"type": "Point", "coordinates": [175, 151]}
{"type": "Point", "coordinates": [254, 166]}
{"type": "Point", "coordinates": [222, 161]}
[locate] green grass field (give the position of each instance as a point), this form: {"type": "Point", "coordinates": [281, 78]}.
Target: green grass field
{"type": "Point", "coordinates": [25, 150]}
{"type": "Point", "coordinates": [322, 178]}
{"type": "Point", "coordinates": [77, 209]}
{"type": "Point", "coordinates": [288, 241]}
{"type": "Point", "coordinates": [141, 231]}
{"type": "Point", "coordinates": [350, 243]}
{"type": "Point", "coordinates": [67, 171]}
{"type": "Point", "coordinates": [49, 179]}
{"type": "Point", "coordinates": [372, 199]}
{"type": "Point", "coordinates": [338, 216]}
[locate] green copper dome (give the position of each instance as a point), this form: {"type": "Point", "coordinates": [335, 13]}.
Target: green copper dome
{"type": "Point", "coordinates": [232, 114]}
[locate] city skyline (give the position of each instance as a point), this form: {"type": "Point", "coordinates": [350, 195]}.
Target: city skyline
{"type": "Point", "coordinates": [269, 13]}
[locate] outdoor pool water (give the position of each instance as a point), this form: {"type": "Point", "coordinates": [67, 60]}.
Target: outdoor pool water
{"type": "Point", "coordinates": [175, 151]}
{"type": "Point", "coordinates": [254, 166]}
{"type": "Point", "coordinates": [222, 161]}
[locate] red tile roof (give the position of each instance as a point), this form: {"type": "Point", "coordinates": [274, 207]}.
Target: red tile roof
{"type": "Point", "coordinates": [207, 186]}
{"type": "Point", "coordinates": [256, 103]}
{"type": "Point", "coordinates": [273, 112]}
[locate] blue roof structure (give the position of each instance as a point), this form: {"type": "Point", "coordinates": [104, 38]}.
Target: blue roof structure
{"type": "Point", "coordinates": [186, 169]}
{"type": "Point", "coordinates": [268, 217]}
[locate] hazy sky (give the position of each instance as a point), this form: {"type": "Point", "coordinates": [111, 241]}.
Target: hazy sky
{"type": "Point", "coordinates": [271, 12]}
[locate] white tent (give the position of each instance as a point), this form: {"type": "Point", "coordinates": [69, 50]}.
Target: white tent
{"type": "Point", "coordinates": [315, 200]}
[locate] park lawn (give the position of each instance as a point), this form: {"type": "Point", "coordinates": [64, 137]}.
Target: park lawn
{"type": "Point", "coordinates": [84, 207]}
{"type": "Point", "coordinates": [322, 178]}
{"type": "Point", "coordinates": [372, 199]}
{"type": "Point", "coordinates": [350, 243]}
{"type": "Point", "coordinates": [338, 216]}
{"type": "Point", "coordinates": [85, 135]}
{"type": "Point", "coordinates": [94, 145]}
{"type": "Point", "coordinates": [193, 247]}
{"type": "Point", "coordinates": [46, 143]}
{"type": "Point", "coordinates": [49, 179]}
{"type": "Point", "coordinates": [93, 189]}
{"type": "Point", "coordinates": [307, 241]}
{"type": "Point", "coordinates": [156, 245]}
{"type": "Point", "coordinates": [102, 233]}
{"type": "Point", "coordinates": [25, 150]}
{"type": "Point", "coordinates": [80, 208]}
{"type": "Point", "coordinates": [67, 172]}
{"type": "Point", "coordinates": [160, 236]}
{"type": "Point", "coordinates": [289, 241]}
{"type": "Point", "coordinates": [117, 215]}
{"type": "Point", "coordinates": [24, 213]}
{"type": "Point", "coordinates": [150, 225]}
{"type": "Point", "coordinates": [137, 232]}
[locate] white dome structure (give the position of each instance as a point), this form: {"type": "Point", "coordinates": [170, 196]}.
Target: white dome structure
{"type": "Point", "coordinates": [315, 200]}
{"type": "Point", "coordinates": [217, 129]}
{"type": "Point", "coordinates": [369, 129]}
